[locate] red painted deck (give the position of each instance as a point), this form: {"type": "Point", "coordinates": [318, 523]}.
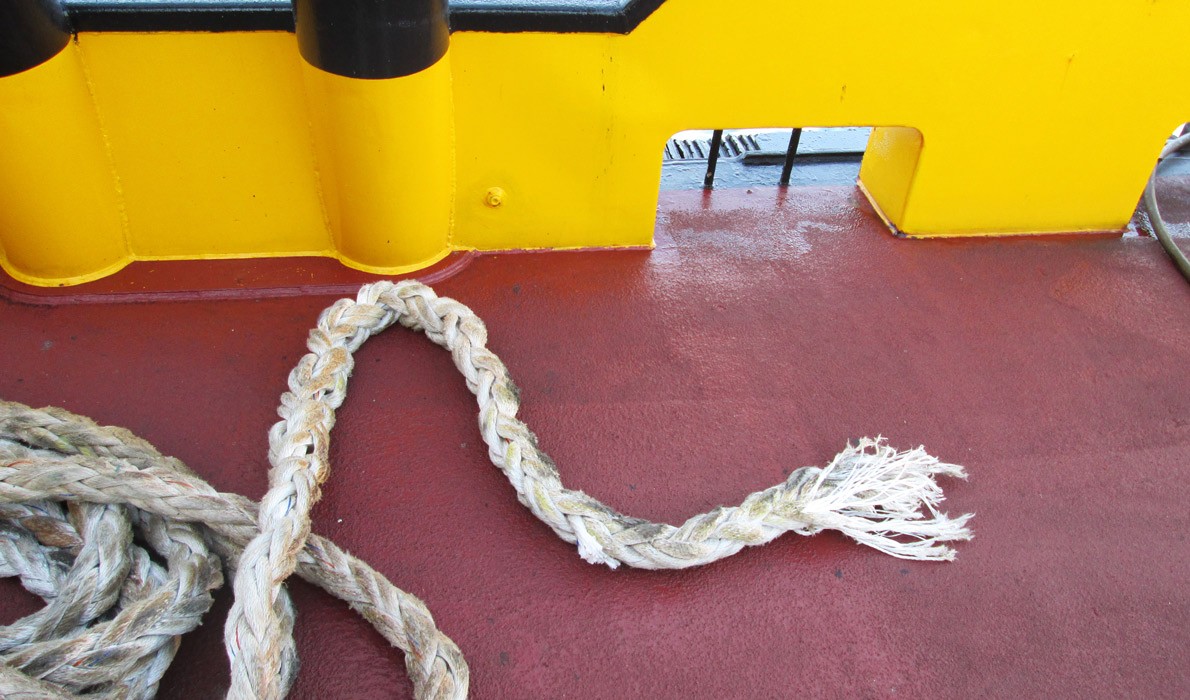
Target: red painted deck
{"type": "Point", "coordinates": [760, 335]}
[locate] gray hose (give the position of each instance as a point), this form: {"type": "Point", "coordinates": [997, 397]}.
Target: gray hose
{"type": "Point", "coordinates": [1150, 202]}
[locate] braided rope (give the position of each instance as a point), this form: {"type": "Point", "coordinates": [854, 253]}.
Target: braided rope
{"type": "Point", "coordinates": [73, 493]}
{"type": "Point", "coordinates": [49, 456]}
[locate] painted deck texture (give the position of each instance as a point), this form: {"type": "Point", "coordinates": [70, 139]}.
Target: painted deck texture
{"type": "Point", "coordinates": [765, 330]}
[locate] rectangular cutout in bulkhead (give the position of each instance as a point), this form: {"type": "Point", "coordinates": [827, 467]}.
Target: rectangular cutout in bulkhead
{"type": "Point", "coordinates": [758, 157]}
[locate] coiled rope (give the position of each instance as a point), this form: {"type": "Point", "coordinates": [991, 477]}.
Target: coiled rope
{"type": "Point", "coordinates": [125, 544]}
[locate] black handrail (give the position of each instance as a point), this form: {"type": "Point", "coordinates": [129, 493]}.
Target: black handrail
{"type": "Point", "coordinates": [277, 15]}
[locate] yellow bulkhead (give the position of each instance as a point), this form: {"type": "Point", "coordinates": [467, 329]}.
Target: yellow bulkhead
{"type": "Point", "coordinates": [997, 118]}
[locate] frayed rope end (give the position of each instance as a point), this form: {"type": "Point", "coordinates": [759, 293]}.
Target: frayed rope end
{"type": "Point", "coordinates": [589, 548]}
{"type": "Point", "coordinates": [881, 497]}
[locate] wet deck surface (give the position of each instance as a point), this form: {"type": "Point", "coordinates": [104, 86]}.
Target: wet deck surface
{"type": "Point", "coordinates": [760, 335]}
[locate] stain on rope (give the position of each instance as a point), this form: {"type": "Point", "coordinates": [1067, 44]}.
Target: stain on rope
{"type": "Point", "coordinates": [76, 497]}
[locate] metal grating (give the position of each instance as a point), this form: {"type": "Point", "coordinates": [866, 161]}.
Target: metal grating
{"type": "Point", "coordinates": [732, 146]}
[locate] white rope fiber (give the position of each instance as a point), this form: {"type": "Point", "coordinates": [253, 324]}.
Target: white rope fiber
{"type": "Point", "coordinates": [125, 545]}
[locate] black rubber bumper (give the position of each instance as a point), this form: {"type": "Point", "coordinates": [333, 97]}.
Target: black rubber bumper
{"type": "Point", "coordinates": [372, 38]}
{"type": "Point", "coordinates": [31, 33]}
